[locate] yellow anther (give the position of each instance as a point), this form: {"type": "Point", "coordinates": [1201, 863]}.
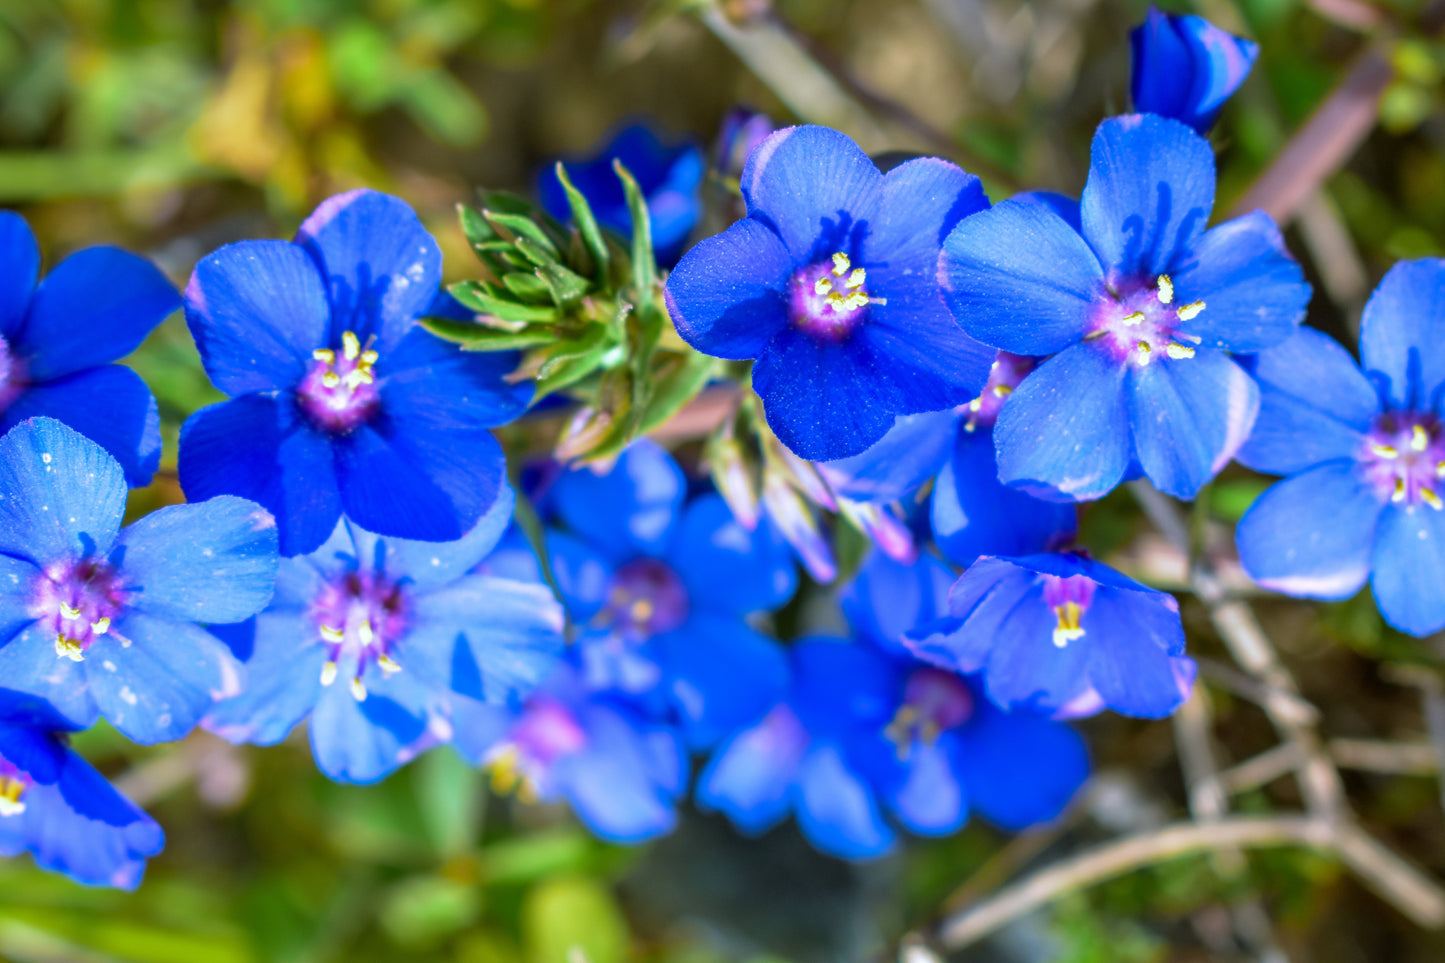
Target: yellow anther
{"type": "Point", "coordinates": [900, 730]}
{"type": "Point", "coordinates": [641, 610]}
{"type": "Point", "coordinates": [976, 405]}
{"type": "Point", "coordinates": [1399, 493]}
{"type": "Point", "coordinates": [1440, 470]}
{"type": "Point", "coordinates": [369, 357]}
{"type": "Point", "coordinates": [1190, 311]}
{"type": "Point", "coordinates": [328, 673]}
{"type": "Point", "coordinates": [841, 264]}
{"type": "Point", "coordinates": [1002, 391]}
{"type": "Point", "coordinates": [1419, 438]}
{"type": "Point", "coordinates": [1179, 351]}
{"type": "Point", "coordinates": [324, 355]}
{"type": "Point", "coordinates": [928, 732]}
{"type": "Point", "coordinates": [1068, 628]}
{"type": "Point", "coordinates": [505, 771]}
{"type": "Point", "coordinates": [1191, 338]}
{"type": "Point", "coordinates": [856, 279]}
{"type": "Point", "coordinates": [1166, 289]}
{"type": "Point", "coordinates": [358, 690]}
{"type": "Point", "coordinates": [1144, 351]}
{"type": "Point", "coordinates": [101, 625]}
{"type": "Point", "coordinates": [822, 285]}
{"type": "Point", "coordinates": [331, 379]}
{"type": "Point", "coordinates": [10, 792]}
{"type": "Point", "coordinates": [1134, 318]}
{"type": "Point", "coordinates": [350, 345]}
{"type": "Point", "coordinates": [68, 648]}
{"type": "Point", "coordinates": [332, 634]}
{"type": "Point", "coordinates": [387, 664]}
{"type": "Point", "coordinates": [1428, 496]}
{"type": "Point", "coordinates": [69, 612]}
{"type": "Point", "coordinates": [365, 633]}
{"type": "Point", "coordinates": [1387, 451]}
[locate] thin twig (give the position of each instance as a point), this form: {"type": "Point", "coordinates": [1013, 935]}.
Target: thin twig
{"type": "Point", "coordinates": [1237, 683]}
{"type": "Point", "coordinates": [1378, 755]}
{"type": "Point", "coordinates": [1261, 770]}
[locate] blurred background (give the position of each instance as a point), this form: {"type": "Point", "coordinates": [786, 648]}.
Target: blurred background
{"type": "Point", "coordinates": [174, 126]}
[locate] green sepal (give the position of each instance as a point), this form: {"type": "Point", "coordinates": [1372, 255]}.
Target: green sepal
{"type": "Point", "coordinates": [528, 287]}
{"type": "Point", "coordinates": [674, 383]}
{"type": "Point", "coordinates": [644, 262]}
{"type": "Point", "coordinates": [474, 295]}
{"type": "Point", "coordinates": [564, 284]}
{"type": "Point", "coordinates": [520, 226]}
{"type": "Point", "coordinates": [476, 337]}
{"type": "Point", "coordinates": [586, 223]}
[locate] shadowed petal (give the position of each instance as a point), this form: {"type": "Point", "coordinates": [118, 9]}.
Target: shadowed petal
{"type": "Point", "coordinates": [61, 495]}
{"type": "Point", "coordinates": [1402, 332]}
{"type": "Point", "coordinates": [727, 295]}
{"type": "Point", "coordinates": [1409, 563]}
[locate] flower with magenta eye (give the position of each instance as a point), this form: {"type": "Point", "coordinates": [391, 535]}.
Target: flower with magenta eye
{"type": "Point", "coordinates": [340, 403]}
{"type": "Point", "coordinates": [1185, 67]}
{"type": "Point", "coordinates": [59, 336]}
{"type": "Point", "coordinates": [1136, 309]}
{"type": "Point", "coordinates": [100, 620]}
{"type": "Point", "coordinates": [1364, 452]}
{"type": "Point", "coordinates": [830, 283]}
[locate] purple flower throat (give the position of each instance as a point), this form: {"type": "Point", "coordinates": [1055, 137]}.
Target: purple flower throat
{"type": "Point", "coordinates": [1141, 322]}
{"type": "Point", "coordinates": [829, 299]}
{"type": "Point", "coordinates": [360, 618]}
{"type": "Point", "coordinates": [934, 702]}
{"type": "Point", "coordinates": [78, 602]}
{"type": "Point", "coordinates": [1404, 458]}
{"type": "Point", "coordinates": [13, 785]}
{"type": "Point", "coordinates": [645, 598]}
{"type": "Point", "coordinates": [339, 392]}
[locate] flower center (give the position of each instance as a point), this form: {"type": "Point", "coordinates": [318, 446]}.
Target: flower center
{"type": "Point", "coordinates": [1069, 597]}
{"type": "Point", "coordinates": [645, 598]}
{"type": "Point", "coordinates": [13, 784]}
{"type": "Point", "coordinates": [934, 702]}
{"type": "Point", "coordinates": [1007, 371]}
{"type": "Point", "coordinates": [339, 393]}
{"type": "Point", "coordinates": [1405, 458]}
{"type": "Point", "coordinates": [829, 299]}
{"type": "Point", "coordinates": [545, 733]}
{"type": "Point", "coordinates": [360, 616]}
{"type": "Point", "coordinates": [78, 602]}
{"type": "Point", "coordinates": [12, 375]}
{"type": "Point", "coordinates": [1143, 323]}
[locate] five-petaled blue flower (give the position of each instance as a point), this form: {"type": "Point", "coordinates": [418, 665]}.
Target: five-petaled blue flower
{"type": "Point", "coordinates": [339, 401]}
{"type": "Point", "coordinates": [1365, 452]}
{"type": "Point", "coordinates": [1137, 305]}
{"type": "Point", "coordinates": [669, 176]}
{"type": "Point", "coordinates": [660, 588]}
{"type": "Point", "coordinates": [59, 337]}
{"type": "Point", "coordinates": [377, 639]}
{"type": "Point", "coordinates": [1185, 67]}
{"type": "Point", "coordinates": [54, 806]}
{"type": "Point", "coordinates": [830, 283]}
{"type": "Point", "coordinates": [101, 621]}
{"type": "Point", "coordinates": [1064, 635]}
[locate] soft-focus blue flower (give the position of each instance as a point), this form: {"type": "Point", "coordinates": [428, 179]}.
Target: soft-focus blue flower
{"type": "Point", "coordinates": [669, 176]}
{"type": "Point", "coordinates": [1063, 635]}
{"type": "Point", "coordinates": [101, 621]}
{"type": "Point", "coordinates": [660, 586]}
{"type": "Point", "coordinates": [339, 401]}
{"type": "Point", "coordinates": [54, 806]}
{"type": "Point", "coordinates": [376, 639]}
{"type": "Point", "coordinates": [59, 336]}
{"type": "Point", "coordinates": [741, 131]}
{"type": "Point", "coordinates": [1365, 452]}
{"type": "Point", "coordinates": [1136, 311]}
{"type": "Point", "coordinates": [830, 283]}
{"type": "Point", "coordinates": [1185, 67]}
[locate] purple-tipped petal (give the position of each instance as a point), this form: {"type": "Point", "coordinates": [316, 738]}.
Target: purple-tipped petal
{"type": "Point", "coordinates": [815, 187]}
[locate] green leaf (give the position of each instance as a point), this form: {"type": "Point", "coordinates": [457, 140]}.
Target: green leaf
{"type": "Point", "coordinates": [528, 287]}
{"type": "Point", "coordinates": [425, 909]}
{"type": "Point", "coordinates": [561, 372]}
{"type": "Point", "coordinates": [644, 262]}
{"type": "Point", "coordinates": [473, 295]}
{"type": "Point", "coordinates": [451, 797]}
{"type": "Point", "coordinates": [587, 226]}
{"type": "Point", "coordinates": [537, 855]}
{"type": "Point", "coordinates": [676, 383]}
{"type": "Point", "coordinates": [475, 227]}
{"type": "Point", "coordinates": [523, 226]}
{"type": "Point", "coordinates": [567, 915]}
{"type": "Point", "coordinates": [475, 337]}
{"type": "Point", "coordinates": [564, 284]}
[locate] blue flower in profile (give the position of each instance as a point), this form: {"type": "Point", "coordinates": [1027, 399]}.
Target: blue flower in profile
{"type": "Point", "coordinates": [340, 402]}
{"type": "Point", "coordinates": [59, 336]}
{"type": "Point", "coordinates": [100, 620]}
{"type": "Point", "coordinates": [1136, 309]}
{"type": "Point", "coordinates": [1064, 635]}
{"type": "Point", "coordinates": [669, 176]}
{"type": "Point", "coordinates": [1364, 452]}
{"type": "Point", "coordinates": [830, 283]}
{"type": "Point", "coordinates": [1185, 67]}
{"type": "Point", "coordinates": [375, 640]}
{"type": "Point", "coordinates": [660, 587]}
{"type": "Point", "coordinates": [54, 806]}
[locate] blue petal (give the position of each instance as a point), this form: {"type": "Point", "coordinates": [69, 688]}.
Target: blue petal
{"type": "Point", "coordinates": [257, 310]}
{"type": "Point", "coordinates": [363, 741]}
{"type": "Point", "coordinates": [61, 495]}
{"type": "Point", "coordinates": [609, 782]}
{"type": "Point", "coordinates": [815, 187]}
{"type": "Point", "coordinates": [837, 811]}
{"type": "Point", "coordinates": [1064, 433]}
{"type": "Point", "coordinates": [110, 405]}
{"type": "Point", "coordinates": [428, 565]}
{"type": "Point", "coordinates": [583, 575]}
{"type": "Point", "coordinates": [912, 452]}
{"type": "Point", "coordinates": [1019, 769]}
{"type": "Point", "coordinates": [1221, 60]}
{"type": "Point", "coordinates": [722, 676]}
{"type": "Point", "coordinates": [930, 800]}
{"type": "Point", "coordinates": [631, 508]}
{"type": "Point", "coordinates": [29, 665]}
{"type": "Point", "coordinates": [727, 296]}
{"type": "Point", "coordinates": [750, 778]}
{"type": "Point", "coordinates": [477, 727]}
{"type": "Point", "coordinates": [18, 578]}
{"type": "Point", "coordinates": [381, 266]}
{"type": "Point", "coordinates": [1025, 670]}
{"type": "Point", "coordinates": [1255, 294]}
{"type": "Point", "coordinates": [935, 364]}
{"type": "Point", "coordinates": [259, 448]}
{"type": "Point", "coordinates": [725, 567]}
{"type": "Point", "coordinates": [973, 514]}
{"type": "Point", "coordinates": [923, 199]}
{"type": "Point", "coordinates": [212, 561]}
{"type": "Point", "coordinates": [467, 387]}
{"type": "Point", "coordinates": [888, 598]}
{"type": "Point", "coordinates": [1409, 563]}
{"type": "Point", "coordinates": [282, 683]}
{"type": "Point", "coordinates": [1189, 418]}
{"type": "Point", "coordinates": [37, 754]}
{"type": "Point", "coordinates": [1312, 534]}
{"type": "Point", "coordinates": [1401, 332]}
{"type": "Point", "coordinates": [157, 687]}
{"type": "Point", "coordinates": [1149, 194]}
{"type": "Point", "coordinates": [21, 256]}
{"type": "Point", "coordinates": [840, 685]}
{"type": "Point", "coordinates": [1131, 637]}
{"type": "Point", "coordinates": [1019, 278]}
{"type": "Point", "coordinates": [95, 307]}
{"type": "Point", "coordinates": [1314, 405]}
{"type": "Point", "coordinates": [1161, 79]}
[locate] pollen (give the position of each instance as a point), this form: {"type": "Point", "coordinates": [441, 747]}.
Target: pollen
{"type": "Point", "coordinates": [1179, 351]}
{"type": "Point", "coordinates": [365, 633]}
{"type": "Point", "coordinates": [358, 690]}
{"type": "Point", "coordinates": [1388, 451]}
{"type": "Point", "coordinates": [1419, 438]}
{"type": "Point", "coordinates": [1166, 289]}
{"type": "Point", "coordinates": [841, 264]}
{"type": "Point", "coordinates": [68, 648]}
{"type": "Point", "coordinates": [101, 625]}
{"type": "Point", "coordinates": [333, 635]}
{"type": "Point", "coordinates": [1428, 496]}
{"type": "Point", "coordinates": [11, 790]}
{"type": "Point", "coordinates": [1399, 493]}
{"type": "Point", "coordinates": [324, 355]}
{"type": "Point", "coordinates": [387, 664]}
{"type": "Point", "coordinates": [1068, 629]}
{"type": "Point", "coordinates": [822, 286]}
{"type": "Point", "coordinates": [856, 279]}
{"type": "Point", "coordinates": [1002, 391]}
{"type": "Point", "coordinates": [69, 612]}
{"type": "Point", "coordinates": [1190, 311]}
{"type": "Point", "coordinates": [1134, 319]}
{"type": "Point", "coordinates": [328, 673]}
{"type": "Point", "coordinates": [1144, 351]}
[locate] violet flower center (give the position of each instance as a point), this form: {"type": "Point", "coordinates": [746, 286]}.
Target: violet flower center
{"type": "Point", "coordinates": [12, 375]}
{"type": "Point", "coordinates": [339, 393]}
{"type": "Point", "coordinates": [829, 299]}
{"type": "Point", "coordinates": [1007, 371]}
{"type": "Point", "coordinates": [1404, 458]}
{"type": "Point", "coordinates": [360, 617]}
{"type": "Point", "coordinates": [645, 598]}
{"type": "Point", "coordinates": [78, 602]}
{"type": "Point", "coordinates": [13, 784]}
{"type": "Point", "coordinates": [934, 702]}
{"type": "Point", "coordinates": [544, 734]}
{"type": "Point", "coordinates": [1069, 598]}
{"type": "Point", "coordinates": [1141, 322]}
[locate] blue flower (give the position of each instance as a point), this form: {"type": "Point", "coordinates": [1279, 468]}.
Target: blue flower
{"type": "Point", "coordinates": [1185, 67]}
{"type": "Point", "coordinates": [830, 283]}
{"type": "Point", "coordinates": [660, 589]}
{"type": "Point", "coordinates": [1064, 635]}
{"type": "Point", "coordinates": [1135, 311]}
{"type": "Point", "coordinates": [339, 401]}
{"type": "Point", "coordinates": [58, 338]}
{"type": "Point", "coordinates": [741, 131]}
{"type": "Point", "coordinates": [101, 621]}
{"type": "Point", "coordinates": [670, 178]}
{"type": "Point", "coordinates": [1365, 455]}
{"type": "Point", "coordinates": [54, 806]}
{"type": "Point", "coordinates": [377, 639]}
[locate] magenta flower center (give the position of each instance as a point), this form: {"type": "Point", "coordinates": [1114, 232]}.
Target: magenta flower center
{"type": "Point", "coordinates": [1069, 598]}
{"type": "Point", "coordinates": [1404, 458]}
{"type": "Point", "coordinates": [934, 702]}
{"type": "Point", "coordinates": [13, 785]}
{"type": "Point", "coordinates": [546, 733]}
{"type": "Point", "coordinates": [830, 299]}
{"type": "Point", "coordinates": [360, 617]}
{"type": "Point", "coordinates": [339, 391]}
{"type": "Point", "coordinates": [645, 598]}
{"type": "Point", "coordinates": [1007, 371]}
{"type": "Point", "coordinates": [1144, 322]}
{"type": "Point", "coordinates": [12, 375]}
{"type": "Point", "coordinates": [78, 602]}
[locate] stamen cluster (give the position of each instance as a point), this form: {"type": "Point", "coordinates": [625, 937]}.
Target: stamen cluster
{"type": "Point", "coordinates": [78, 602]}
{"type": "Point", "coordinates": [339, 393]}
{"type": "Point", "coordinates": [360, 617]}
{"type": "Point", "coordinates": [1144, 323]}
